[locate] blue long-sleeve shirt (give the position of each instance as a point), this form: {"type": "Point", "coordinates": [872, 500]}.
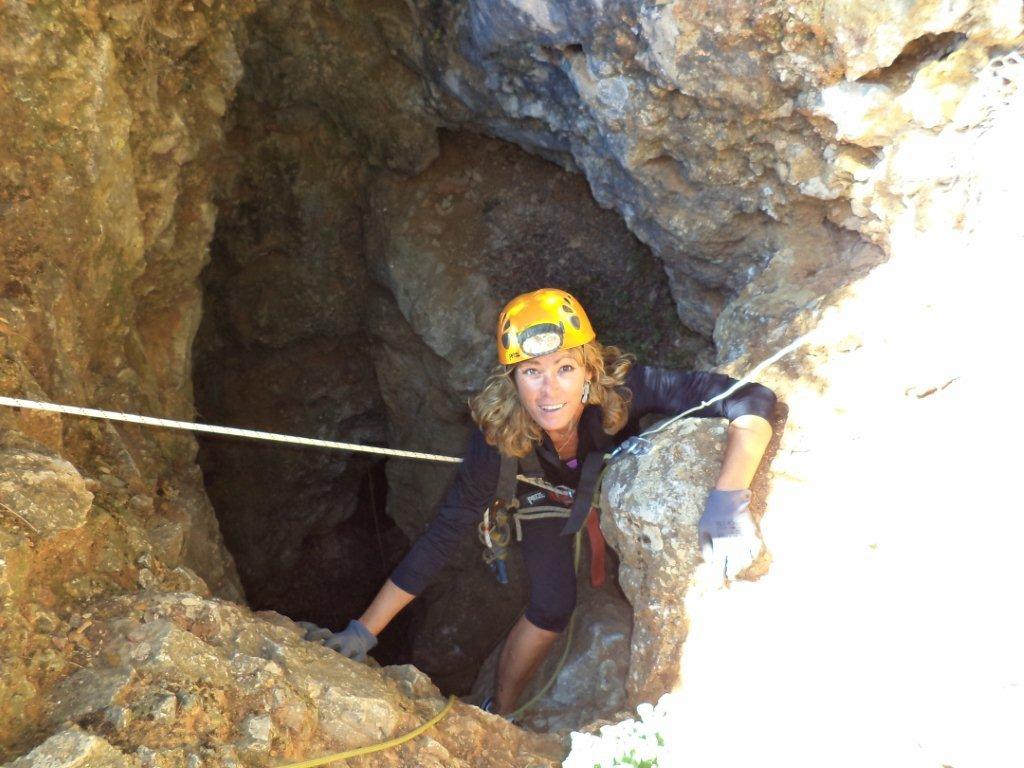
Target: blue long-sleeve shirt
{"type": "Point", "coordinates": [654, 391]}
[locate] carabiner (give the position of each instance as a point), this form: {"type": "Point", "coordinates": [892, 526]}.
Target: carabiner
{"type": "Point", "coordinates": [636, 446]}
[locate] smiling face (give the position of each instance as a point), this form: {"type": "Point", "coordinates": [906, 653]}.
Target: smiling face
{"type": "Point", "coordinates": [551, 389]}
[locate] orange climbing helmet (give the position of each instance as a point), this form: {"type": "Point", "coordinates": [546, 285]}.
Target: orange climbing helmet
{"type": "Point", "coordinates": [541, 322]}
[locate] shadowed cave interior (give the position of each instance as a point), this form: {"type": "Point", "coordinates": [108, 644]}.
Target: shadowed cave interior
{"type": "Point", "coordinates": [301, 335]}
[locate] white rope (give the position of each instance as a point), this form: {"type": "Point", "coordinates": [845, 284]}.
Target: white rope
{"type": "Point", "coordinates": [799, 341]}
{"type": "Point", "coordinates": [233, 431]}
{"type": "Point", "coordinates": [151, 421]}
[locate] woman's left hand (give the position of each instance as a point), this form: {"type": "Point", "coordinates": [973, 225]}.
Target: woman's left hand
{"type": "Point", "coordinates": [726, 532]}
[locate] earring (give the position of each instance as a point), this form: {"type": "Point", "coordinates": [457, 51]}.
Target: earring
{"type": "Point", "coordinates": [586, 391]}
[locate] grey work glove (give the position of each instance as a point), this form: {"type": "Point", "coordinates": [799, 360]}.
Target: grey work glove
{"type": "Point", "coordinates": [314, 633]}
{"type": "Point", "coordinates": [726, 532]}
{"type": "Point", "coordinates": [353, 642]}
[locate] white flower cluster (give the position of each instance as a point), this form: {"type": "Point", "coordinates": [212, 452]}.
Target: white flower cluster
{"type": "Point", "coordinates": [639, 743]}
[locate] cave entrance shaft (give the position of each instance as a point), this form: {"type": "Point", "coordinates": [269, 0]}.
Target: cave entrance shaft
{"type": "Point", "coordinates": [358, 261]}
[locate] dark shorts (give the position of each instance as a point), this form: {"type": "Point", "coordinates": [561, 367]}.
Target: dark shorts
{"type": "Point", "coordinates": [547, 556]}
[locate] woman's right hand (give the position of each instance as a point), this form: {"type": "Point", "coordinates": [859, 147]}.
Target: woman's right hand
{"type": "Point", "coordinates": [353, 642]}
{"type": "Point", "coordinates": [314, 633]}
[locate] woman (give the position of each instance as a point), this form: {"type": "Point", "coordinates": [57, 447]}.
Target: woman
{"type": "Point", "coordinates": [558, 398]}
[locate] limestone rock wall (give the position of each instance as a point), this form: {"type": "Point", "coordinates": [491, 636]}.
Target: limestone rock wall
{"type": "Point", "coordinates": [721, 133]}
{"type": "Point", "coordinates": [683, 118]}
{"type": "Point", "coordinates": [108, 170]}
{"type": "Point", "coordinates": [111, 118]}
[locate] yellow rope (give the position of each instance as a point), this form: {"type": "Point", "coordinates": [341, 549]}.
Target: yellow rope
{"type": "Point", "coordinates": [375, 747]}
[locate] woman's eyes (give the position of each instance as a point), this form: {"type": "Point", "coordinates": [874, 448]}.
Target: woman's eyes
{"type": "Point", "coordinates": [536, 371]}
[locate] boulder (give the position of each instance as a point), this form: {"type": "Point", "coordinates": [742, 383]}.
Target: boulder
{"type": "Point", "coordinates": [174, 678]}
{"type": "Point", "coordinates": [74, 748]}
{"type": "Point", "coordinates": [43, 492]}
{"type": "Point", "coordinates": [651, 505]}
{"type": "Point", "coordinates": [586, 681]}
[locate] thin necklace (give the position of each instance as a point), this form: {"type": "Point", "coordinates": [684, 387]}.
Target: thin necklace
{"type": "Point", "coordinates": [572, 434]}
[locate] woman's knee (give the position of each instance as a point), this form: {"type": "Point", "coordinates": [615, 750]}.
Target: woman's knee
{"type": "Point", "coordinates": [552, 610]}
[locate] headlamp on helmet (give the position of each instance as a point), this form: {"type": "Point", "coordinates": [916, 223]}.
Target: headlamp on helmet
{"type": "Point", "coordinates": [541, 322]}
{"type": "Point", "coordinates": [541, 339]}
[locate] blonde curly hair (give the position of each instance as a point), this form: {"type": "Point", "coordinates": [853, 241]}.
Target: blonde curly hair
{"type": "Point", "coordinates": [505, 423]}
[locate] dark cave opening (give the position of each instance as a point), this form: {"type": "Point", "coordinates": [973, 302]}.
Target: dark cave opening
{"type": "Point", "coordinates": [340, 567]}
{"type": "Point", "coordinates": [353, 280]}
{"type": "Point", "coordinates": [329, 572]}
{"type": "Point", "coordinates": [310, 334]}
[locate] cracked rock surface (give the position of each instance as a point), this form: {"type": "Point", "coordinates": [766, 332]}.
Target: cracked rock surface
{"type": "Point", "coordinates": [173, 678]}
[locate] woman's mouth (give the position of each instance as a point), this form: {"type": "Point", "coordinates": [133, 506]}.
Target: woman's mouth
{"type": "Point", "coordinates": [552, 408]}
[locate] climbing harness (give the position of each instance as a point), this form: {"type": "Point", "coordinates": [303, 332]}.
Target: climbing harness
{"type": "Point", "coordinates": [502, 517]}
{"type": "Point", "coordinates": [511, 508]}
{"type": "Point", "coordinates": [495, 534]}
{"type": "Point", "coordinates": [375, 747]}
